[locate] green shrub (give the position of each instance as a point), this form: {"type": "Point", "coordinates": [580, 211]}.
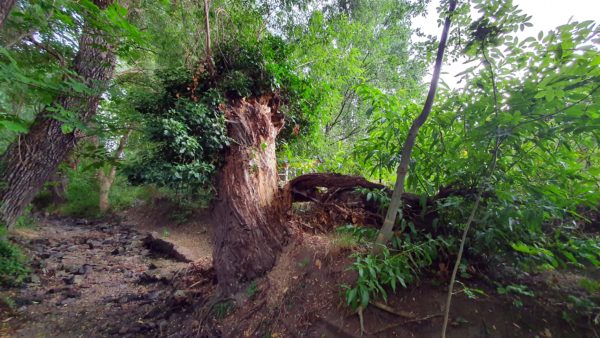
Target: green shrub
{"type": "Point", "coordinates": [124, 195]}
{"type": "Point", "coordinates": [82, 194]}
{"type": "Point", "coordinates": [13, 265]}
{"type": "Point", "coordinates": [359, 233]}
{"type": "Point", "coordinates": [590, 285]}
{"type": "Point", "coordinates": [393, 267]}
{"type": "Point", "coordinates": [26, 220]}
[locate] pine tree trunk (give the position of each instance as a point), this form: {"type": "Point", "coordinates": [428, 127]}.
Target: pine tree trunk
{"type": "Point", "coordinates": [30, 161]}
{"type": "Point", "coordinates": [250, 208]}
{"type": "Point", "coordinates": [5, 7]}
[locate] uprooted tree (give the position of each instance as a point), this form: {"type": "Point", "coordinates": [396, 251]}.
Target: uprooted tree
{"type": "Point", "coordinates": [250, 209]}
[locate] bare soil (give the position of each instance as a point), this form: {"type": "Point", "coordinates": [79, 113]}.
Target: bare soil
{"type": "Point", "coordinates": [162, 217]}
{"type": "Point", "coordinates": [97, 279]}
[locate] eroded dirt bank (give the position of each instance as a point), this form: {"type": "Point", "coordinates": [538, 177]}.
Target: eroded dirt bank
{"type": "Point", "coordinates": [102, 279]}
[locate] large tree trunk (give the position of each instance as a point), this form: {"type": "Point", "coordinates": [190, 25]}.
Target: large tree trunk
{"type": "Point", "coordinates": [5, 7]}
{"type": "Point", "coordinates": [30, 161]}
{"type": "Point", "coordinates": [249, 212]}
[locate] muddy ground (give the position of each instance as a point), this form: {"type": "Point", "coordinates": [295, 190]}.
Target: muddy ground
{"type": "Point", "coordinates": [104, 278]}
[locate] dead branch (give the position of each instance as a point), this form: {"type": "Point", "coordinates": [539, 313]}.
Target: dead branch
{"type": "Point", "coordinates": [391, 310]}
{"type": "Point", "coordinates": [416, 320]}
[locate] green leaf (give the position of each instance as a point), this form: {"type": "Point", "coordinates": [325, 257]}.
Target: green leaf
{"type": "Point", "coordinates": [14, 126]}
{"type": "Point", "coordinates": [364, 298]}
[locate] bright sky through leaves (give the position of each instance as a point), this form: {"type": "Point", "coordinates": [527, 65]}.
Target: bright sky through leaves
{"type": "Point", "coordinates": [546, 15]}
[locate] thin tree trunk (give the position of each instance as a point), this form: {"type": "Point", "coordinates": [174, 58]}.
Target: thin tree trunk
{"type": "Point", "coordinates": [59, 187]}
{"type": "Point", "coordinates": [492, 167]}
{"type": "Point", "coordinates": [209, 60]}
{"type": "Point", "coordinates": [396, 202]}
{"type": "Point", "coordinates": [29, 162]}
{"type": "Point", "coordinates": [106, 180]}
{"type": "Point", "coordinates": [249, 211]}
{"type": "Point", "coordinates": [5, 8]}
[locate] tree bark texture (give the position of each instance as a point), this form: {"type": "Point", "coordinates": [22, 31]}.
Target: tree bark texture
{"type": "Point", "coordinates": [30, 161]}
{"type": "Point", "coordinates": [250, 209]}
{"type": "Point", "coordinates": [396, 202]}
{"type": "Point", "coordinates": [106, 180]}
{"type": "Point", "coordinates": [5, 8]}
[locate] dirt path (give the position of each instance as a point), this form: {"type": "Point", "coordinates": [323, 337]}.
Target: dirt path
{"type": "Point", "coordinates": [192, 237]}
{"type": "Point", "coordinates": [90, 280]}
{"type": "Point", "coordinates": [102, 280]}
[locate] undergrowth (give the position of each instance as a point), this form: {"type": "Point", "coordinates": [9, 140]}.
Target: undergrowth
{"type": "Point", "coordinates": [82, 194]}
{"type": "Point", "coordinates": [398, 265]}
{"type": "Point", "coordinates": [13, 264]}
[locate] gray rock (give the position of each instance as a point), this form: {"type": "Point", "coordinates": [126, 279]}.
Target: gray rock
{"type": "Point", "coordinates": [67, 301]}
{"type": "Point", "coordinates": [153, 296]}
{"type": "Point", "coordinates": [93, 244]}
{"type": "Point", "coordinates": [72, 268]}
{"type": "Point", "coordinates": [85, 269]}
{"type": "Point", "coordinates": [180, 296]}
{"type": "Point", "coordinates": [74, 280]}
{"type": "Point", "coordinates": [35, 278]}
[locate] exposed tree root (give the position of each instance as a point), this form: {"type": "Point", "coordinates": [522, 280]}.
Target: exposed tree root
{"type": "Point", "coordinates": [391, 310]}
{"type": "Point", "coordinates": [361, 319]}
{"type": "Point", "coordinates": [415, 320]}
{"type": "Point", "coordinates": [338, 193]}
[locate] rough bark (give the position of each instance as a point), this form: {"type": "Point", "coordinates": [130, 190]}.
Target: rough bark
{"type": "Point", "coordinates": [250, 208]}
{"type": "Point", "coordinates": [30, 161]}
{"type": "Point", "coordinates": [396, 202]}
{"type": "Point", "coordinates": [106, 180]}
{"type": "Point", "coordinates": [5, 7]}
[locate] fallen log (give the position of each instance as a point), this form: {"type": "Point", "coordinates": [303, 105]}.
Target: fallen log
{"type": "Point", "coordinates": [334, 190]}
